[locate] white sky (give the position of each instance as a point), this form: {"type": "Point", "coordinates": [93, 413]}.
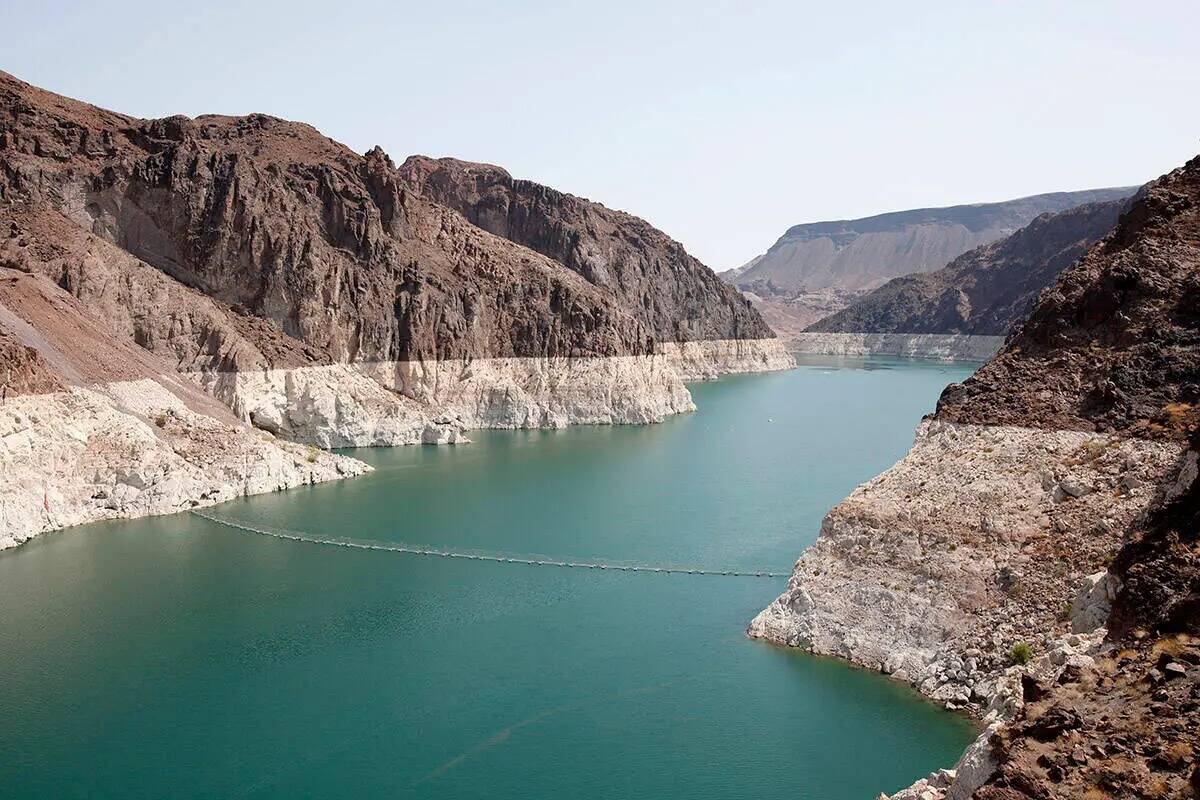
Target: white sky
{"type": "Point", "coordinates": [721, 123]}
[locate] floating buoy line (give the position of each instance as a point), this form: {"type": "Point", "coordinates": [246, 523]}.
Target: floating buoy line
{"type": "Point", "coordinates": [416, 550]}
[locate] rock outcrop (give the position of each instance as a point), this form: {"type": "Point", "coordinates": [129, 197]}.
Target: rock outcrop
{"type": "Point", "coordinates": [986, 291]}
{"type": "Point", "coordinates": [1129, 725]}
{"type": "Point", "coordinates": [977, 568]}
{"type": "Point", "coordinates": [94, 427]}
{"type": "Point", "coordinates": [978, 540]}
{"type": "Point", "coordinates": [708, 359]}
{"type": "Point", "coordinates": [1114, 345]}
{"type": "Point", "coordinates": [135, 449]}
{"type": "Point", "coordinates": [542, 392]}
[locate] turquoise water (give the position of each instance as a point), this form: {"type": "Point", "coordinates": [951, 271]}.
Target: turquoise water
{"type": "Point", "coordinates": [172, 657]}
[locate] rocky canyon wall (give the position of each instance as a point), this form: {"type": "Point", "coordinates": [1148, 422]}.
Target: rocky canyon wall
{"type": "Point", "coordinates": [323, 297]}
{"type": "Point", "coordinates": [978, 568]}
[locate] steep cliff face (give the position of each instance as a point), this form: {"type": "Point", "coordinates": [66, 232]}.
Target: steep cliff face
{"type": "Point", "coordinates": [342, 255]}
{"type": "Point", "coordinates": [651, 274]}
{"type": "Point", "coordinates": [984, 292]}
{"type": "Point", "coordinates": [271, 217]}
{"type": "Point", "coordinates": [1113, 346]}
{"type": "Point", "coordinates": [1121, 331]}
{"type": "Point", "coordinates": [321, 296]}
{"type": "Point", "coordinates": [1130, 727]}
{"type": "Point", "coordinates": [978, 567]}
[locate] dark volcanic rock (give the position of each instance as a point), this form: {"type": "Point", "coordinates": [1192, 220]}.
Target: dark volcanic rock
{"type": "Point", "coordinates": [1127, 730]}
{"type": "Point", "coordinates": [651, 274]}
{"type": "Point", "coordinates": [985, 291]}
{"type": "Point", "coordinates": [1115, 344]}
{"type": "Point", "coordinates": [1160, 568]}
{"type": "Point", "coordinates": [1053, 723]}
{"type": "Point", "coordinates": [271, 233]}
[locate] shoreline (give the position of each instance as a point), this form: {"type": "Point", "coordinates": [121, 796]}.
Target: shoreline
{"type": "Point", "coordinates": [931, 346]}
{"type": "Point", "coordinates": [164, 444]}
{"type": "Point", "coordinates": [934, 571]}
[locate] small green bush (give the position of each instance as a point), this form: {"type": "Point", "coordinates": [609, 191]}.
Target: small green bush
{"type": "Point", "coordinates": [161, 420]}
{"type": "Point", "coordinates": [1021, 653]}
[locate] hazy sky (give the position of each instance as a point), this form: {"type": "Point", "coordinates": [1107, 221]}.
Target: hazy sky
{"type": "Point", "coordinates": [721, 123]}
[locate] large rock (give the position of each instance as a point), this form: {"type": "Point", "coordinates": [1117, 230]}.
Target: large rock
{"type": "Point", "coordinates": [132, 450]}
{"type": "Point", "coordinates": [935, 569]}
{"type": "Point", "coordinates": [1093, 601]}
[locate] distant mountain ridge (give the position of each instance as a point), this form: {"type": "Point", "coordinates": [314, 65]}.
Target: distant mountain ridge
{"type": "Point", "coordinates": [184, 300]}
{"type": "Point", "coordinates": [860, 254]}
{"type": "Point", "coordinates": [986, 291]}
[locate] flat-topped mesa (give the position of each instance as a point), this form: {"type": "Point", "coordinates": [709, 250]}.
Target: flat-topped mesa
{"type": "Point", "coordinates": [281, 268]}
{"type": "Point", "coordinates": [989, 544]}
{"type": "Point", "coordinates": [986, 291]}
{"type": "Point", "coordinates": [819, 269]}
{"type": "Point", "coordinates": [861, 254]}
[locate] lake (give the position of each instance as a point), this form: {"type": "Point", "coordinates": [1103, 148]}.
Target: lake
{"type": "Point", "coordinates": [175, 657]}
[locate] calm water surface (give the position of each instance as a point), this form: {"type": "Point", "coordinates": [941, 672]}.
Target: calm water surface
{"type": "Point", "coordinates": [172, 657]}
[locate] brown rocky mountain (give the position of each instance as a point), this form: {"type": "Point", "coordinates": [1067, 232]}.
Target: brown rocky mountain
{"type": "Point", "coordinates": [862, 253]}
{"type": "Point", "coordinates": [1115, 347]}
{"type": "Point", "coordinates": [351, 256]}
{"type": "Point", "coordinates": [611, 249]}
{"type": "Point", "coordinates": [326, 296]}
{"type": "Point", "coordinates": [271, 217]}
{"type": "Point", "coordinates": [1034, 557]}
{"type": "Point", "coordinates": [985, 291]}
{"type": "Point", "coordinates": [815, 269]}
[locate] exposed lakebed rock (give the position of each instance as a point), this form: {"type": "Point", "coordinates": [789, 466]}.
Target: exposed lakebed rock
{"type": "Point", "coordinates": [134, 449]}
{"type": "Point", "coordinates": [1050, 505]}
{"type": "Point", "coordinates": [979, 539]}
{"type": "Point", "coordinates": [934, 346]}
